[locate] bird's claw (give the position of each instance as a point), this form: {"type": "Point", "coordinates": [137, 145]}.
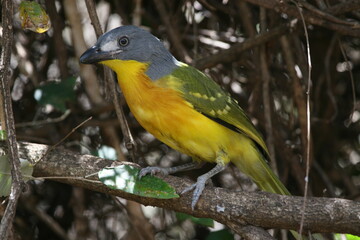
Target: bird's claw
{"type": "Point", "coordinates": [188, 189]}
{"type": "Point", "coordinates": [198, 188]}
{"type": "Point", "coordinates": [152, 171]}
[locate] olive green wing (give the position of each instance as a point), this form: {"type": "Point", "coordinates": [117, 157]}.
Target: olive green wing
{"type": "Point", "coordinates": [208, 98]}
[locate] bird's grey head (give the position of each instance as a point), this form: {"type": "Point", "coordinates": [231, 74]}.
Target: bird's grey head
{"type": "Point", "coordinates": [132, 43]}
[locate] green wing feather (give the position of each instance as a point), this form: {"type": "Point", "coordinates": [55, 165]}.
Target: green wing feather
{"type": "Point", "coordinates": [208, 98]}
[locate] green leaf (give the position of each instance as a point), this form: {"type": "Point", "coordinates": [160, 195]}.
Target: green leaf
{"type": "Point", "coordinates": [2, 135]}
{"type": "Point", "coordinates": [33, 17]}
{"type": "Point", "coordinates": [57, 93]}
{"type": "Point", "coordinates": [202, 221]}
{"type": "Point", "coordinates": [223, 234]}
{"type": "Point", "coordinates": [26, 169]}
{"type": "Point", "coordinates": [125, 178]}
{"type": "Point", "coordinates": [346, 237]}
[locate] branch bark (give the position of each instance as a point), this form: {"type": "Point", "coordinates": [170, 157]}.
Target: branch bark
{"type": "Point", "coordinates": [236, 209]}
{"type": "Point", "coordinates": [7, 119]}
{"type": "Point", "coordinates": [310, 16]}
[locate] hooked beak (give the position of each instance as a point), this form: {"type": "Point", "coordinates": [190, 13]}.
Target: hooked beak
{"type": "Point", "coordinates": [95, 55]}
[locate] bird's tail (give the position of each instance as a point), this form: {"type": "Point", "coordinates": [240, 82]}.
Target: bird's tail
{"type": "Point", "coordinates": [269, 182]}
{"type": "Point", "coordinates": [253, 164]}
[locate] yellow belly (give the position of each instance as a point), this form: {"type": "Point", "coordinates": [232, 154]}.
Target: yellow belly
{"type": "Point", "coordinates": [178, 125]}
{"type": "Point", "coordinates": [166, 115]}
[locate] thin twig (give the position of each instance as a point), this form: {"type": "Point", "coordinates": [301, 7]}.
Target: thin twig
{"type": "Point", "coordinates": [298, 96]}
{"type": "Point", "coordinates": [265, 75]}
{"type": "Point", "coordinates": [8, 118]}
{"type": "Point", "coordinates": [43, 122]}
{"type": "Point", "coordinates": [311, 18]}
{"type": "Point", "coordinates": [69, 178]}
{"type": "Point", "coordinates": [109, 76]}
{"type": "Point", "coordinates": [47, 220]}
{"type": "Point", "coordinates": [324, 15]}
{"type": "Point", "coordinates": [233, 52]}
{"type": "Point", "coordinates": [91, 7]}
{"type": "Point", "coordinates": [246, 17]}
{"type": "Point", "coordinates": [64, 138]}
{"type": "Point", "coordinates": [344, 7]}
{"type": "Point", "coordinates": [308, 123]}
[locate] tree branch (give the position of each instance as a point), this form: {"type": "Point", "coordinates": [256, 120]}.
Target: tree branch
{"type": "Point", "coordinates": [235, 209]}
{"type": "Point", "coordinates": [344, 7]}
{"type": "Point", "coordinates": [310, 16]}
{"type": "Point", "coordinates": [7, 119]}
{"type": "Point", "coordinates": [174, 35]}
{"type": "Point", "coordinates": [232, 54]}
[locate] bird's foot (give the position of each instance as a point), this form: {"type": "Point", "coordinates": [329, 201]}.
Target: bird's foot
{"type": "Point", "coordinates": [152, 171]}
{"type": "Point", "coordinates": [198, 188]}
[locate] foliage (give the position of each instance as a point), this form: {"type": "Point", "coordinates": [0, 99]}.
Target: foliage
{"type": "Point", "coordinates": [56, 93]}
{"type": "Point", "coordinates": [126, 178]}
{"type": "Point", "coordinates": [202, 221]}
{"type": "Point", "coordinates": [26, 169]}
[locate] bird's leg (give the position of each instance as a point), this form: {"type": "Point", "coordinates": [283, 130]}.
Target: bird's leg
{"type": "Point", "coordinates": [169, 170]}
{"type": "Point", "coordinates": [199, 186]}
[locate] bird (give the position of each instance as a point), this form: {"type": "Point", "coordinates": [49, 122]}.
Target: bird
{"type": "Point", "coordinates": [183, 108]}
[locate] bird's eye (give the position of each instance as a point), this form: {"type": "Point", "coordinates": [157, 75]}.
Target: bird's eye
{"type": "Point", "coordinates": [124, 41]}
